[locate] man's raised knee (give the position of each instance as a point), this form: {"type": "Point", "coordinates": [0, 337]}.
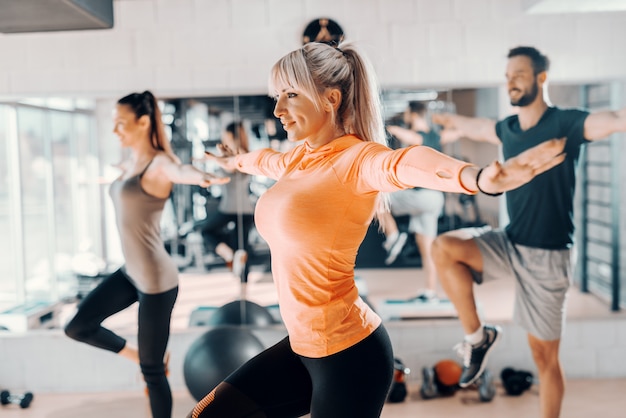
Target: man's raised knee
{"type": "Point", "coordinates": [440, 248]}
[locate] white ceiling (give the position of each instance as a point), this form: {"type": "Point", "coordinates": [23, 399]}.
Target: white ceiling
{"type": "Point", "coordinates": [573, 6]}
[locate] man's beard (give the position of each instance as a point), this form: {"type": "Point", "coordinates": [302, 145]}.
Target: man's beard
{"type": "Point", "coordinates": [527, 98]}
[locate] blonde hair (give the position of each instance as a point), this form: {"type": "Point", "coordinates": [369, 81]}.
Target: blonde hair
{"type": "Point", "coordinates": [317, 66]}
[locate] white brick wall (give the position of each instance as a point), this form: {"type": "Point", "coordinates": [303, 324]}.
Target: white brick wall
{"type": "Point", "coordinates": [202, 47]}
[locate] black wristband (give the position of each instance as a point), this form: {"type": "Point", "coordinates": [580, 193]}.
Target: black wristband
{"type": "Point", "coordinates": [478, 185]}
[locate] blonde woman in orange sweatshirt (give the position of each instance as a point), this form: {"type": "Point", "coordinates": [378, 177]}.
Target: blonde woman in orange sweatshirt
{"type": "Point", "coordinates": [337, 360]}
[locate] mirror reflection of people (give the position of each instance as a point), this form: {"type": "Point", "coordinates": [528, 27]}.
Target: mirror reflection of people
{"type": "Point", "coordinates": [534, 248]}
{"type": "Point", "coordinates": [337, 360]}
{"type": "Point", "coordinates": [235, 206]}
{"type": "Point", "coordinates": [149, 276]}
{"type": "Point", "coordinates": [424, 206]}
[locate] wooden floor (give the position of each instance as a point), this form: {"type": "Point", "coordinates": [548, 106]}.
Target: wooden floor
{"type": "Point", "coordinates": [584, 398]}
{"type": "Point", "coordinates": [219, 286]}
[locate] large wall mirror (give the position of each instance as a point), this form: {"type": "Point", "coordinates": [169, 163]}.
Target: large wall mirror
{"type": "Point", "coordinates": [201, 124]}
{"type": "Point", "coordinates": [198, 124]}
{"type": "Point", "coordinates": [58, 211]}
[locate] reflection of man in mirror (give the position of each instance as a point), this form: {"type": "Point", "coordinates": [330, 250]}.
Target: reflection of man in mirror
{"type": "Point", "coordinates": [534, 248]}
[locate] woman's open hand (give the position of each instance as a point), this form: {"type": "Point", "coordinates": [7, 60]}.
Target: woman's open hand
{"type": "Point", "coordinates": [211, 180]}
{"type": "Point", "coordinates": [227, 158]}
{"type": "Point", "coordinates": [516, 171]}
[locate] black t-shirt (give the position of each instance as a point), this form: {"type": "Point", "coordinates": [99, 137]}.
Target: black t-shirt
{"type": "Point", "coordinates": [431, 139]}
{"type": "Point", "coordinates": [541, 211]}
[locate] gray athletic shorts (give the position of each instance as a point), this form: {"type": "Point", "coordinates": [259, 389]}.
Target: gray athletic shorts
{"type": "Point", "coordinates": [422, 205]}
{"type": "Point", "coordinates": [542, 278]}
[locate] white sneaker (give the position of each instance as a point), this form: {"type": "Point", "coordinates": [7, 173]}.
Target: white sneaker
{"type": "Point", "coordinates": [240, 258]}
{"type": "Point", "coordinates": [395, 247]}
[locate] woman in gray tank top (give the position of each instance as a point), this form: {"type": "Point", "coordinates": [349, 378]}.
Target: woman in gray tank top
{"type": "Point", "coordinates": [149, 276]}
{"type": "Point", "coordinates": [235, 206]}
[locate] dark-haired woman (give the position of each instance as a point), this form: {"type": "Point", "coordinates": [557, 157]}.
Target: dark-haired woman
{"type": "Point", "coordinates": [235, 206]}
{"type": "Point", "coordinates": [149, 276]}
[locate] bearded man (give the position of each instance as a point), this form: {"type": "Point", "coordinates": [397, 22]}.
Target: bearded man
{"type": "Point", "coordinates": [534, 248]}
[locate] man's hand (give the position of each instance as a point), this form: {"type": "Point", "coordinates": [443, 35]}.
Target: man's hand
{"type": "Point", "coordinates": [442, 119]}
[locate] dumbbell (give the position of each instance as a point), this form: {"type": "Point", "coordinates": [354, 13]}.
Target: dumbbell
{"type": "Point", "coordinates": [486, 387]}
{"type": "Point", "coordinates": [440, 380]}
{"type": "Point", "coordinates": [23, 400]}
{"type": "Point", "coordinates": [429, 385]}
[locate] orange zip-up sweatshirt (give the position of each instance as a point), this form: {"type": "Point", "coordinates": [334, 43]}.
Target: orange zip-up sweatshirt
{"type": "Point", "coordinates": [314, 219]}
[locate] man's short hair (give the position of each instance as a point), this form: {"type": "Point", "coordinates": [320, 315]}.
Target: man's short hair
{"type": "Point", "coordinates": [539, 61]}
{"type": "Point", "coordinates": [417, 107]}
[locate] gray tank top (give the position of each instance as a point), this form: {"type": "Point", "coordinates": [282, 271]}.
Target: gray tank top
{"type": "Point", "coordinates": [138, 217]}
{"type": "Point", "coordinates": [236, 194]}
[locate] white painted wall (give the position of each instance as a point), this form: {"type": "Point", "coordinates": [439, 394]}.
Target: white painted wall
{"type": "Point", "coordinates": [49, 362]}
{"type": "Point", "coordinates": [210, 47]}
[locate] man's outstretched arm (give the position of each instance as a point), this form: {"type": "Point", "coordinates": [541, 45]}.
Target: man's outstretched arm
{"type": "Point", "coordinates": [599, 125]}
{"type": "Point", "coordinates": [457, 126]}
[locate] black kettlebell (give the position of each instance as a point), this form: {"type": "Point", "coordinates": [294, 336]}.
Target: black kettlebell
{"type": "Point", "coordinates": [515, 382]}
{"type": "Point", "coordinates": [398, 390]}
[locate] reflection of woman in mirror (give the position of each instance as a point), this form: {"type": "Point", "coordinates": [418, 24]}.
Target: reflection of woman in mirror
{"type": "Point", "coordinates": [421, 204]}
{"type": "Point", "coordinates": [149, 275]}
{"type": "Point", "coordinates": [337, 360]}
{"type": "Point", "coordinates": [235, 206]}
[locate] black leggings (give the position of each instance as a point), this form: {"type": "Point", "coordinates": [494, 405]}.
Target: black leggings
{"type": "Point", "coordinates": [114, 294]}
{"type": "Point", "coordinates": [279, 384]}
{"type": "Point", "coordinates": [213, 229]}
